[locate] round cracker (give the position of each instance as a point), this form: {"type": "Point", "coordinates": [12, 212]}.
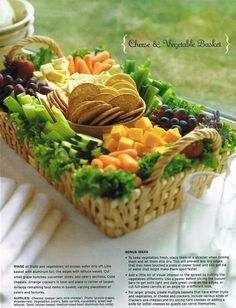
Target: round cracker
{"type": "Point", "coordinates": [126, 102]}
{"type": "Point", "coordinates": [128, 90]}
{"type": "Point", "coordinates": [84, 91]}
{"type": "Point", "coordinates": [76, 113]}
{"type": "Point", "coordinates": [90, 114]}
{"type": "Point", "coordinates": [106, 97]}
{"type": "Point", "coordinates": [62, 97]}
{"type": "Point", "coordinates": [123, 84]}
{"type": "Point", "coordinates": [58, 100]}
{"type": "Point", "coordinates": [109, 90]}
{"type": "Point", "coordinates": [105, 114]}
{"type": "Point", "coordinates": [131, 113]}
{"type": "Point", "coordinates": [120, 77]}
{"type": "Point", "coordinates": [53, 102]}
{"type": "Point", "coordinates": [110, 118]}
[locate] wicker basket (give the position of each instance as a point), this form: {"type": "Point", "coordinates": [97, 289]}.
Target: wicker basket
{"type": "Point", "coordinates": [154, 198]}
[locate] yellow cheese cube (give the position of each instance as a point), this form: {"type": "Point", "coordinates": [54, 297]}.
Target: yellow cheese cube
{"type": "Point", "coordinates": [139, 147]}
{"type": "Point", "coordinates": [158, 131]}
{"type": "Point", "coordinates": [136, 134]}
{"type": "Point", "coordinates": [47, 68]}
{"type": "Point", "coordinates": [110, 144]}
{"type": "Point", "coordinates": [152, 140]}
{"type": "Point", "coordinates": [56, 77]}
{"type": "Point", "coordinates": [105, 136]}
{"type": "Point", "coordinates": [125, 144]}
{"type": "Point", "coordinates": [143, 123]}
{"type": "Point", "coordinates": [118, 131]}
{"type": "Point", "coordinates": [171, 136]}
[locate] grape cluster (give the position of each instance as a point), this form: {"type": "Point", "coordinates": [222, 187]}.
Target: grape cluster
{"type": "Point", "coordinates": [9, 84]}
{"type": "Point", "coordinates": [166, 118]}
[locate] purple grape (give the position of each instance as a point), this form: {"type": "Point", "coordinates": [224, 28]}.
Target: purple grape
{"type": "Point", "coordinates": [19, 81]}
{"type": "Point", "coordinates": [163, 109]}
{"type": "Point", "coordinates": [192, 123]}
{"type": "Point", "coordinates": [8, 80]}
{"type": "Point", "coordinates": [45, 90]}
{"type": "Point", "coordinates": [181, 114]}
{"type": "Point", "coordinates": [8, 89]}
{"type": "Point", "coordinates": [41, 84]}
{"type": "Point", "coordinates": [174, 121]}
{"type": "Point", "coordinates": [18, 89]}
{"type": "Point", "coordinates": [30, 91]}
{"type": "Point", "coordinates": [168, 113]}
{"type": "Point", "coordinates": [155, 111]}
{"type": "Point", "coordinates": [183, 124]}
{"type": "Point", "coordinates": [33, 86]}
{"type": "Point", "coordinates": [32, 80]}
{"type": "Point", "coordinates": [153, 118]}
{"type": "Point", "coordinates": [164, 122]}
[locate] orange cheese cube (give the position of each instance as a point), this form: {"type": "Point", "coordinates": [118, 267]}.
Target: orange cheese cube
{"type": "Point", "coordinates": [118, 131]}
{"type": "Point", "coordinates": [143, 123]}
{"type": "Point", "coordinates": [152, 140]}
{"type": "Point", "coordinates": [160, 149]}
{"type": "Point", "coordinates": [125, 144]}
{"type": "Point", "coordinates": [139, 147]}
{"type": "Point", "coordinates": [171, 136]}
{"type": "Point", "coordinates": [136, 134]}
{"type": "Point", "coordinates": [158, 131]}
{"type": "Point", "coordinates": [110, 144]}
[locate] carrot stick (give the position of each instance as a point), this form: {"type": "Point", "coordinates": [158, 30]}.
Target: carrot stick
{"type": "Point", "coordinates": [110, 167]}
{"type": "Point", "coordinates": [101, 56]}
{"type": "Point", "coordinates": [105, 66]}
{"type": "Point", "coordinates": [128, 163]}
{"type": "Point", "coordinates": [89, 61]}
{"type": "Point", "coordinates": [82, 67]}
{"type": "Point", "coordinates": [131, 152]}
{"type": "Point", "coordinates": [98, 68]}
{"type": "Point", "coordinates": [71, 66]}
{"type": "Point", "coordinates": [108, 160]}
{"type": "Point", "coordinates": [138, 181]}
{"type": "Point", "coordinates": [109, 61]}
{"type": "Point", "coordinates": [77, 64]}
{"type": "Point", "coordinates": [97, 162]}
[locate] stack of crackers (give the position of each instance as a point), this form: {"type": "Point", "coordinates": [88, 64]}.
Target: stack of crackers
{"type": "Point", "coordinates": [114, 102]}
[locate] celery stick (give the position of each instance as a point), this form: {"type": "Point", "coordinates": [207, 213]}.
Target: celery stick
{"type": "Point", "coordinates": [12, 105]}
{"type": "Point", "coordinates": [166, 96]}
{"type": "Point", "coordinates": [24, 99]}
{"type": "Point", "coordinates": [140, 76]}
{"type": "Point", "coordinates": [149, 94]}
{"type": "Point", "coordinates": [129, 66]}
{"type": "Point", "coordinates": [53, 135]}
{"type": "Point", "coordinates": [59, 115]}
{"type": "Point", "coordinates": [42, 114]}
{"type": "Point", "coordinates": [29, 111]}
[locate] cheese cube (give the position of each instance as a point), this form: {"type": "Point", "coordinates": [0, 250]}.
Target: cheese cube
{"type": "Point", "coordinates": [152, 140]}
{"type": "Point", "coordinates": [118, 131]}
{"type": "Point", "coordinates": [125, 144]}
{"type": "Point", "coordinates": [110, 144]}
{"type": "Point", "coordinates": [47, 68]}
{"type": "Point", "coordinates": [171, 136]}
{"type": "Point", "coordinates": [158, 131]}
{"type": "Point", "coordinates": [136, 134]}
{"type": "Point", "coordinates": [139, 147]}
{"type": "Point", "coordinates": [143, 123]}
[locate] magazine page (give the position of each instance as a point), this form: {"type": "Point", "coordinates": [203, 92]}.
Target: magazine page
{"type": "Point", "coordinates": [118, 162]}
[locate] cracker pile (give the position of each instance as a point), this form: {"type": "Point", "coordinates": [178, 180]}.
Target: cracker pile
{"type": "Point", "coordinates": [116, 101]}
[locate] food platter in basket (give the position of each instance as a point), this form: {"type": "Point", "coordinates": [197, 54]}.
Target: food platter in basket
{"type": "Point", "coordinates": [109, 133]}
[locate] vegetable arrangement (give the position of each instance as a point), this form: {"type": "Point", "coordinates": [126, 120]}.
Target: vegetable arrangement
{"type": "Point", "coordinates": [40, 102]}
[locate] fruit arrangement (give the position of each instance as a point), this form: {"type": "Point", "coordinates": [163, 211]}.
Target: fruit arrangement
{"type": "Point", "coordinates": [60, 105]}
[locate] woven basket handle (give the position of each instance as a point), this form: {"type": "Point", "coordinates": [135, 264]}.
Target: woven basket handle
{"type": "Point", "coordinates": [180, 145]}
{"type": "Point", "coordinates": [32, 40]}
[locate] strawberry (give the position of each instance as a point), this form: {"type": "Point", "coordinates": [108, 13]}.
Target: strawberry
{"type": "Point", "coordinates": [24, 69]}
{"type": "Point", "coordinates": [193, 150]}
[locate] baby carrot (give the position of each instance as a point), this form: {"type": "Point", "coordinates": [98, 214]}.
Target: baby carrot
{"type": "Point", "coordinates": [97, 162]}
{"type": "Point", "coordinates": [138, 181]}
{"type": "Point", "coordinates": [89, 61]}
{"type": "Point", "coordinates": [109, 61]}
{"type": "Point", "coordinates": [112, 167]}
{"type": "Point", "coordinates": [101, 56]}
{"type": "Point", "coordinates": [97, 68]}
{"type": "Point", "coordinates": [71, 66]}
{"type": "Point", "coordinates": [105, 66]}
{"type": "Point", "coordinates": [128, 163]}
{"type": "Point", "coordinates": [131, 152]}
{"type": "Point", "coordinates": [76, 64]}
{"type": "Point", "coordinates": [108, 160]}
{"type": "Point", "coordinates": [82, 67]}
